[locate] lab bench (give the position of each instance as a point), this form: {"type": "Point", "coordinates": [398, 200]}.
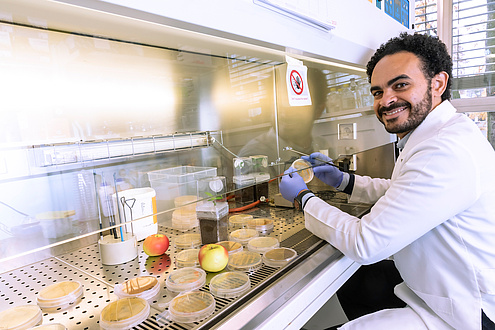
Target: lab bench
{"type": "Point", "coordinates": [279, 297]}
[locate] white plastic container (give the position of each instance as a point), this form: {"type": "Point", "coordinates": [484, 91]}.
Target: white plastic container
{"type": "Point", "coordinates": [135, 204]}
{"type": "Point", "coordinates": [21, 317]}
{"type": "Point", "coordinates": [115, 251]}
{"type": "Point", "coordinates": [56, 223]}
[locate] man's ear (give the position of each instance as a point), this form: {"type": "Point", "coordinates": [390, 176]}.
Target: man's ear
{"type": "Point", "coordinates": [439, 84]}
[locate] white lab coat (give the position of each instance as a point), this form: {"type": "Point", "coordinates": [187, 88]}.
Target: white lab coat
{"type": "Point", "coordinates": [435, 217]}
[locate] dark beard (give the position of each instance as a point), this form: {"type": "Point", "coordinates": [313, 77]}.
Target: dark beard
{"type": "Point", "coordinates": [417, 114]}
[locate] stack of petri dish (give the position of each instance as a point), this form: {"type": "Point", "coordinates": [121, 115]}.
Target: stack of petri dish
{"type": "Point", "coordinates": [231, 246]}
{"type": "Point", "coordinates": [188, 241]}
{"type": "Point", "coordinates": [243, 236]}
{"type": "Point", "coordinates": [229, 284]}
{"type": "Point", "coordinates": [279, 257]}
{"type": "Point", "coordinates": [191, 307]}
{"type": "Point", "coordinates": [21, 317]}
{"type": "Point", "coordinates": [124, 313]}
{"type": "Point", "coordinates": [185, 279]}
{"type": "Point", "coordinates": [262, 225]}
{"type": "Point", "coordinates": [239, 221]}
{"type": "Point", "coordinates": [60, 296]}
{"type": "Point", "coordinates": [146, 287]}
{"type": "Point", "coordinates": [187, 258]}
{"type": "Point", "coordinates": [263, 244]}
{"type": "Point", "coordinates": [245, 261]}
{"type": "Point", "coordinates": [184, 218]}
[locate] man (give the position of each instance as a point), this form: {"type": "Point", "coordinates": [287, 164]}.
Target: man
{"type": "Point", "coordinates": [436, 215]}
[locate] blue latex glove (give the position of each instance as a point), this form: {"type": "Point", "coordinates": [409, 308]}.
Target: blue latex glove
{"type": "Point", "coordinates": [291, 184]}
{"type": "Point", "coordinates": [328, 174]}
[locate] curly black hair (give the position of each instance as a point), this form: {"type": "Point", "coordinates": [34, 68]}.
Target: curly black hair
{"type": "Point", "coordinates": [430, 50]}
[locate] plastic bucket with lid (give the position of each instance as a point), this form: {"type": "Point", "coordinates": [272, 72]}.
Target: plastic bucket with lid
{"type": "Point", "coordinates": [137, 203]}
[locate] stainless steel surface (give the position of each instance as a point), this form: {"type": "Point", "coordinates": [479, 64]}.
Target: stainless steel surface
{"type": "Point", "coordinates": [21, 286]}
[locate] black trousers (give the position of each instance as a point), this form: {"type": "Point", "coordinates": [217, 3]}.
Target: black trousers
{"type": "Point", "coordinates": [371, 289]}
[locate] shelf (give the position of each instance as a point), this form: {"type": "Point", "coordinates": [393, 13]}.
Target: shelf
{"type": "Point", "coordinates": [80, 152]}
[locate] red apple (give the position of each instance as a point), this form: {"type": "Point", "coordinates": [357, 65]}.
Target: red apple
{"type": "Point", "coordinates": [213, 257]}
{"type": "Point", "coordinates": [155, 245]}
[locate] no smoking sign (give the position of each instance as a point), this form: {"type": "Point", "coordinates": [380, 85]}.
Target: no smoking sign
{"type": "Point", "coordinates": [297, 87]}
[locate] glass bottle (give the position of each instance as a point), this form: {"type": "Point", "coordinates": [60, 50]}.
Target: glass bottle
{"type": "Point", "coordinates": [348, 98]}
{"type": "Point", "coordinates": [334, 101]}
{"type": "Point", "coordinates": [364, 93]}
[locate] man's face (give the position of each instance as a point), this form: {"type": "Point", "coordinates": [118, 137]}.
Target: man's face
{"type": "Point", "coordinates": [402, 93]}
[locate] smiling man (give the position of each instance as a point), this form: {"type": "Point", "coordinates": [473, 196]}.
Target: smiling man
{"type": "Point", "coordinates": [435, 217]}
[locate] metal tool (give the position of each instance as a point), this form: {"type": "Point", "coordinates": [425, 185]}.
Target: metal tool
{"type": "Point", "coordinates": [321, 160]}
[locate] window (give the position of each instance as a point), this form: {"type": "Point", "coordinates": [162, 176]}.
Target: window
{"type": "Point", "coordinates": [468, 28]}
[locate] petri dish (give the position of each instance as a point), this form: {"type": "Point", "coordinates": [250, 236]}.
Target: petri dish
{"type": "Point", "coordinates": [60, 296]}
{"type": "Point", "coordinates": [184, 220]}
{"type": "Point", "coordinates": [231, 246]}
{"type": "Point", "coordinates": [188, 201]}
{"type": "Point", "coordinates": [239, 220]}
{"type": "Point", "coordinates": [188, 241]}
{"type": "Point", "coordinates": [187, 258]}
{"type": "Point", "coordinates": [191, 307]}
{"type": "Point", "coordinates": [185, 279]}
{"type": "Point", "coordinates": [51, 326]}
{"type": "Point", "coordinates": [229, 284]}
{"type": "Point", "coordinates": [279, 257]}
{"type": "Point", "coordinates": [146, 287]}
{"type": "Point", "coordinates": [304, 169]}
{"type": "Point", "coordinates": [21, 317]}
{"type": "Point", "coordinates": [261, 224]}
{"type": "Point", "coordinates": [243, 235]}
{"type": "Point", "coordinates": [263, 244]}
{"type": "Point", "coordinates": [124, 313]}
{"type": "Point", "coordinates": [245, 261]}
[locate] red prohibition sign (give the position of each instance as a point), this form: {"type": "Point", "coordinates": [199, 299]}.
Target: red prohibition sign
{"type": "Point", "coordinates": [296, 82]}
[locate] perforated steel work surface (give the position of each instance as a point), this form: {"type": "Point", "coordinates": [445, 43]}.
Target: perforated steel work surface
{"type": "Point", "coordinates": [21, 286]}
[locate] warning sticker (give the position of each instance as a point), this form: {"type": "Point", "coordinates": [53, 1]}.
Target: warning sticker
{"type": "Point", "coordinates": [297, 86]}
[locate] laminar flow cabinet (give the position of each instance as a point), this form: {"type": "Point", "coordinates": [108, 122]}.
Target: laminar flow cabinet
{"type": "Point", "coordinates": [103, 97]}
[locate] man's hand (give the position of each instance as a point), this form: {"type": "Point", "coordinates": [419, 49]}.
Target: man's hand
{"type": "Point", "coordinates": [291, 184]}
{"type": "Point", "coordinates": [328, 174]}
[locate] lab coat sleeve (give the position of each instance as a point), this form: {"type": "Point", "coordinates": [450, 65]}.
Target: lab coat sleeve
{"type": "Point", "coordinates": [368, 190]}
{"type": "Point", "coordinates": [435, 181]}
